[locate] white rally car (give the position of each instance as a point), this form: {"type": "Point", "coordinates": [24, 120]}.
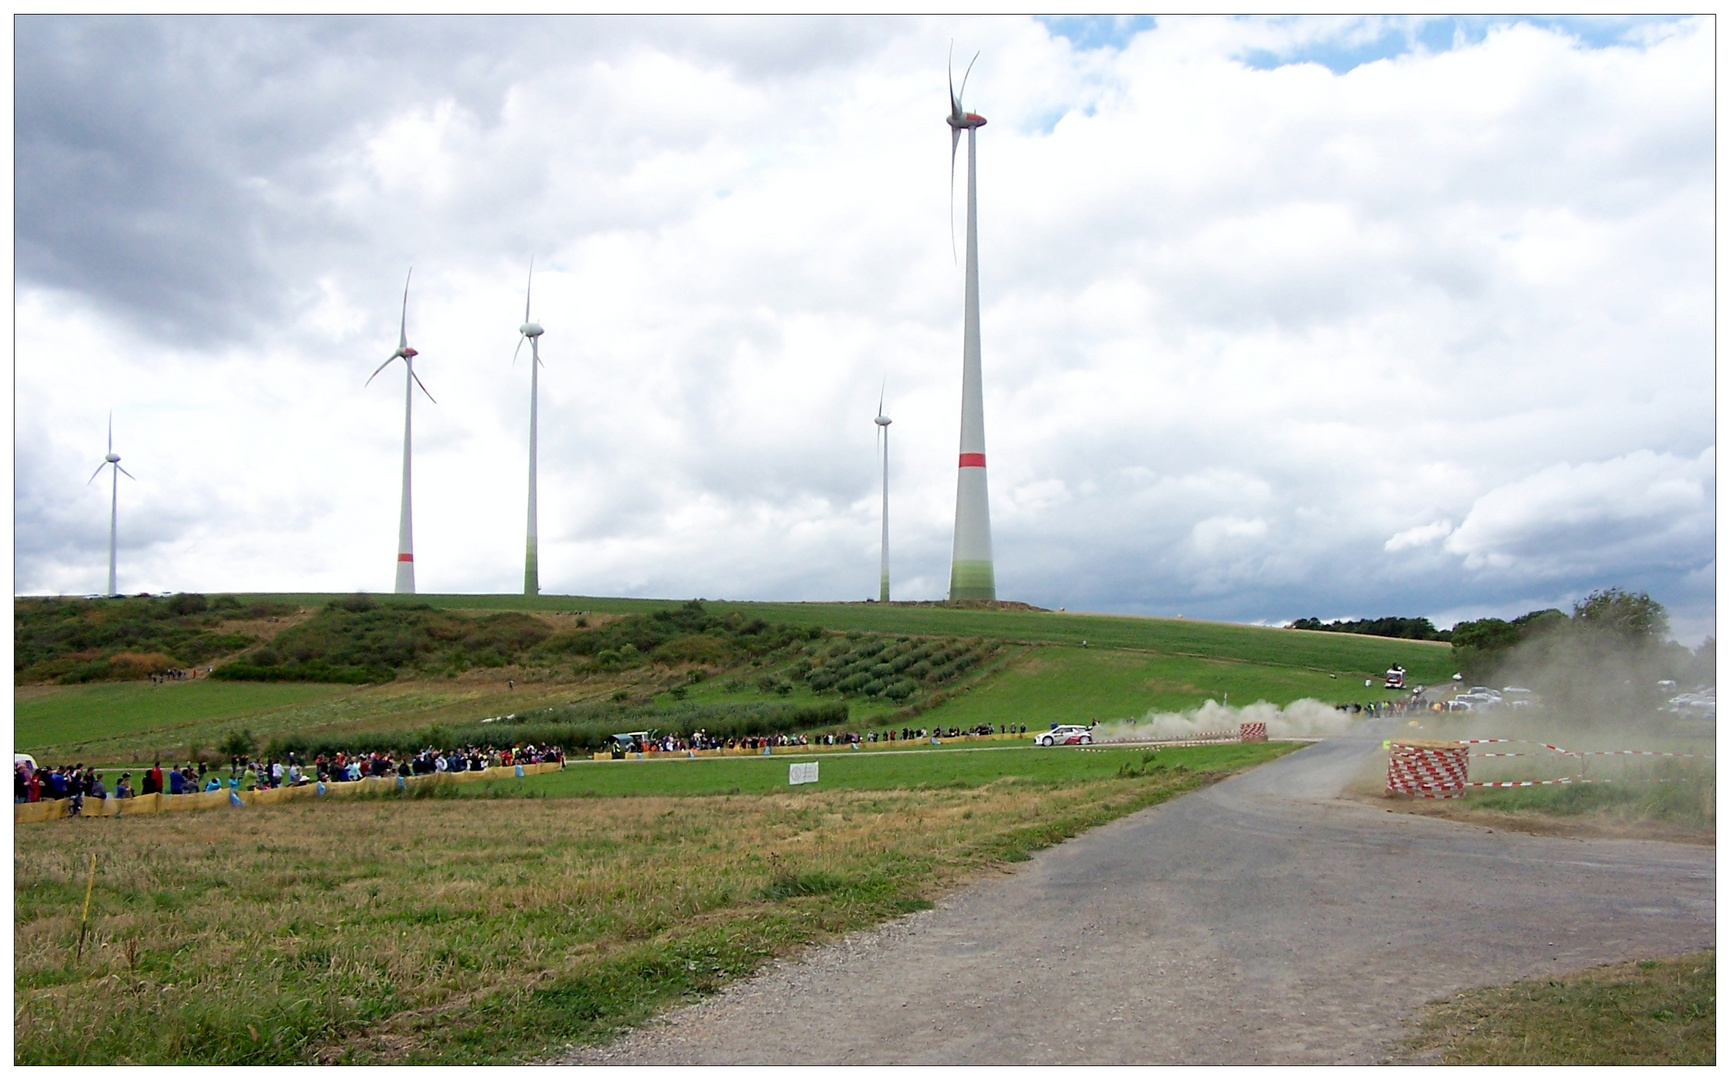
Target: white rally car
{"type": "Point", "coordinates": [1065, 735]}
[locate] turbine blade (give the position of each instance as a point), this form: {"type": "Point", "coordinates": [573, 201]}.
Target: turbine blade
{"type": "Point", "coordinates": [375, 372]}
{"type": "Point", "coordinates": [881, 391]}
{"type": "Point", "coordinates": [422, 386]}
{"type": "Point", "coordinates": [97, 473]}
{"type": "Point", "coordinates": [530, 292]}
{"type": "Point", "coordinates": [518, 350]}
{"type": "Point", "coordinates": [122, 468]}
{"type": "Point", "coordinates": [111, 431]}
{"type": "Point", "coordinates": [954, 102]}
{"type": "Point", "coordinates": [964, 82]}
{"type": "Point", "coordinates": [402, 339]}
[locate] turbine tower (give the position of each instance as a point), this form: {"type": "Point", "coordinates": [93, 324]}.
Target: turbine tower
{"type": "Point", "coordinates": [883, 423]}
{"type": "Point", "coordinates": [971, 575]}
{"type": "Point", "coordinates": [532, 331]}
{"type": "Point", "coordinates": [113, 506]}
{"type": "Point", "coordinates": [405, 530]}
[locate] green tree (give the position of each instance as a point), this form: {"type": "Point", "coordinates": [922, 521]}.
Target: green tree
{"type": "Point", "coordinates": [1633, 616]}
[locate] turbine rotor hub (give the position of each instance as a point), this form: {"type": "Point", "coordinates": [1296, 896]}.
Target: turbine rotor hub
{"type": "Point", "coordinates": [112, 458]}
{"type": "Point", "coordinates": [884, 421]}
{"type": "Point", "coordinates": [407, 353]}
{"type": "Point", "coordinates": [531, 329]}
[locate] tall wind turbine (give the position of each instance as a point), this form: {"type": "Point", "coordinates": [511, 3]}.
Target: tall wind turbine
{"type": "Point", "coordinates": [971, 575]}
{"type": "Point", "coordinates": [883, 423]}
{"type": "Point", "coordinates": [532, 331]}
{"type": "Point", "coordinates": [405, 530]}
{"type": "Point", "coordinates": [113, 506]}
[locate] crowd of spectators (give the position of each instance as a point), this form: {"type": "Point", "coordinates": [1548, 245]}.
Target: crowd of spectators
{"type": "Point", "coordinates": [76, 782]}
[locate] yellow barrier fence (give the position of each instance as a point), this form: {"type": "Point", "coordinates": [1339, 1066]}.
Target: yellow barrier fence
{"type": "Point", "coordinates": [51, 810]}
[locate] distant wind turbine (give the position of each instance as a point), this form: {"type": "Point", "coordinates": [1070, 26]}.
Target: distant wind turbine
{"type": "Point", "coordinates": [971, 573]}
{"type": "Point", "coordinates": [883, 423]}
{"type": "Point", "coordinates": [531, 331]}
{"type": "Point", "coordinates": [405, 530]}
{"type": "Point", "coordinates": [113, 506]}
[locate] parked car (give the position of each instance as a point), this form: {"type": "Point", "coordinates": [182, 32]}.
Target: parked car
{"type": "Point", "coordinates": [1475, 702]}
{"type": "Point", "coordinates": [1065, 735]}
{"type": "Point", "coordinates": [1700, 703]}
{"type": "Point", "coordinates": [1518, 697]}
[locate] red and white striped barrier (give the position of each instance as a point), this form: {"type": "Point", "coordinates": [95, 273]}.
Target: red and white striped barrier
{"type": "Point", "coordinates": [1253, 731]}
{"type": "Point", "coordinates": [1562, 750]}
{"type": "Point", "coordinates": [1427, 770]}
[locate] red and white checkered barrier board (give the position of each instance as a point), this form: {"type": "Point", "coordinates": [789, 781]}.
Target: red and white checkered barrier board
{"type": "Point", "coordinates": [1427, 772]}
{"type": "Point", "coordinates": [1252, 732]}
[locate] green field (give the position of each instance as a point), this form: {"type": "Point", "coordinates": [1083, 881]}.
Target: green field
{"type": "Point", "coordinates": [1426, 661]}
{"type": "Point", "coordinates": [59, 715]}
{"type": "Point", "coordinates": [1130, 666]}
{"type": "Point", "coordinates": [913, 767]}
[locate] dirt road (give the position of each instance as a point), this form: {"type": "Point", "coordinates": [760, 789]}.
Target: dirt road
{"type": "Point", "coordinates": [1261, 920]}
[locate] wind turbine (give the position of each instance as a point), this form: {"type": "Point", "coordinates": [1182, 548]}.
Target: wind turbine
{"type": "Point", "coordinates": [113, 506]}
{"type": "Point", "coordinates": [532, 331]}
{"type": "Point", "coordinates": [971, 573]}
{"type": "Point", "coordinates": [883, 423]}
{"type": "Point", "coordinates": [405, 530]}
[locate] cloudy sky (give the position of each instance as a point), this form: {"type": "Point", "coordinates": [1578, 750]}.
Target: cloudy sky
{"type": "Point", "coordinates": [1280, 318]}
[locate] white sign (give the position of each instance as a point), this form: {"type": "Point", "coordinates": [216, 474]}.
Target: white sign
{"type": "Point", "coordinates": [802, 772]}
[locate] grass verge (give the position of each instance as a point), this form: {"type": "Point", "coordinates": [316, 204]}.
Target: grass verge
{"type": "Point", "coordinates": [493, 930]}
{"type": "Point", "coordinates": [1648, 1012]}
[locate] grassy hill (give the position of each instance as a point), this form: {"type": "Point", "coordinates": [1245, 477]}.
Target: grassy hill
{"type": "Point", "coordinates": [445, 660]}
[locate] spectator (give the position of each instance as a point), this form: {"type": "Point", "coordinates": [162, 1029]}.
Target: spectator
{"type": "Point", "coordinates": [123, 789]}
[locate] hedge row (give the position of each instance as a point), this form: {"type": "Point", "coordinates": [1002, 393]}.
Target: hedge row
{"type": "Point", "coordinates": [578, 729]}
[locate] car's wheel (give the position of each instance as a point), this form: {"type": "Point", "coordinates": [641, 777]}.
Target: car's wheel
{"type": "Point", "coordinates": [1045, 740]}
{"type": "Point", "coordinates": [1087, 740]}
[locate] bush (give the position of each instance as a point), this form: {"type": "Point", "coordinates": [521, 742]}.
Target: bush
{"type": "Point", "coordinates": [578, 729]}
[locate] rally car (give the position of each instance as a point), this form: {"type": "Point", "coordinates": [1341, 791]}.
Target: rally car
{"type": "Point", "coordinates": [1065, 735]}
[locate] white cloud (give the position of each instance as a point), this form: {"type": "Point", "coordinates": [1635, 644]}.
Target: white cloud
{"type": "Point", "coordinates": [1418, 535]}
{"type": "Point", "coordinates": [1252, 338]}
{"type": "Point", "coordinates": [1632, 510]}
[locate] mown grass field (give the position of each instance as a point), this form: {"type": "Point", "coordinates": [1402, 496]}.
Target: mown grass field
{"type": "Point", "coordinates": [489, 930]}
{"type": "Point", "coordinates": [1648, 1012]}
{"type": "Point", "coordinates": [918, 767]}
{"type": "Point", "coordinates": [58, 715]}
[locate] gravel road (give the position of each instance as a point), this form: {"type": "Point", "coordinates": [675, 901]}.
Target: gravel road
{"type": "Point", "coordinates": [1263, 920]}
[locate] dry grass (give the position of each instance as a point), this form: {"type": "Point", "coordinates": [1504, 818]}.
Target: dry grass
{"type": "Point", "coordinates": [1648, 1012]}
{"type": "Point", "coordinates": [475, 930]}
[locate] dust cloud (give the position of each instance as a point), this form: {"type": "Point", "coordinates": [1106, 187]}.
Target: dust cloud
{"type": "Point", "coordinates": [1304, 718]}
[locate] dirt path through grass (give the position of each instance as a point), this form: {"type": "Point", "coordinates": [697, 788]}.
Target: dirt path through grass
{"type": "Point", "coordinates": [1263, 920]}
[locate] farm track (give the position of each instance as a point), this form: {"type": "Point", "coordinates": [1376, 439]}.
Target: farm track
{"type": "Point", "coordinates": [1262, 920]}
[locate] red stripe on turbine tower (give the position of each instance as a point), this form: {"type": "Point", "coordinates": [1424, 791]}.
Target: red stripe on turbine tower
{"type": "Point", "coordinates": [973, 461]}
{"type": "Point", "coordinates": [406, 556]}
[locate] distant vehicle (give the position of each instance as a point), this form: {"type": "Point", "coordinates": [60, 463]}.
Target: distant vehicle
{"type": "Point", "coordinates": [1475, 702]}
{"type": "Point", "coordinates": [24, 759]}
{"type": "Point", "coordinates": [1396, 678]}
{"type": "Point", "coordinates": [1518, 697]}
{"type": "Point", "coordinates": [1486, 691]}
{"type": "Point", "coordinates": [1065, 735]}
{"type": "Point", "coordinates": [1702, 704]}
{"type": "Point", "coordinates": [630, 742]}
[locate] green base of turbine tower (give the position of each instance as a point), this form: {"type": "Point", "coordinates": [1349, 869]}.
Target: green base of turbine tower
{"type": "Point", "coordinates": [971, 580]}
{"type": "Point", "coordinates": [531, 573]}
